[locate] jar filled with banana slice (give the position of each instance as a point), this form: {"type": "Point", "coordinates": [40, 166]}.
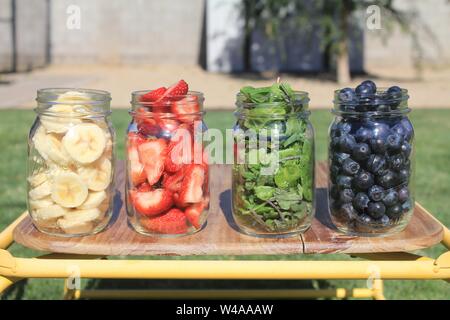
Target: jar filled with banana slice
{"type": "Point", "coordinates": [71, 162]}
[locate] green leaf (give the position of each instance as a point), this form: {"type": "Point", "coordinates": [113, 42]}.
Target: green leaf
{"type": "Point", "coordinates": [264, 192]}
{"type": "Point", "coordinates": [287, 176]}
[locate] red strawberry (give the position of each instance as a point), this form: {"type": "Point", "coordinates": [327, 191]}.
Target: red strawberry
{"type": "Point", "coordinates": [193, 213]}
{"type": "Point", "coordinates": [173, 222]}
{"type": "Point", "coordinates": [179, 151]}
{"type": "Point", "coordinates": [153, 95]}
{"type": "Point", "coordinates": [137, 172]}
{"type": "Point", "coordinates": [152, 202]}
{"type": "Point", "coordinates": [181, 88]}
{"type": "Point", "coordinates": [192, 185]}
{"type": "Point", "coordinates": [172, 182]}
{"type": "Point", "coordinates": [145, 123]}
{"type": "Point", "coordinates": [144, 187]}
{"type": "Point", "coordinates": [153, 154]}
{"type": "Point", "coordinates": [186, 109]}
{"type": "Point", "coordinates": [177, 201]}
{"type": "Point", "coordinates": [166, 122]}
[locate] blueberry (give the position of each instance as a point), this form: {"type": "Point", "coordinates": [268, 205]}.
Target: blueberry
{"type": "Point", "coordinates": [407, 206]}
{"type": "Point", "coordinates": [394, 142]}
{"type": "Point", "coordinates": [347, 95]}
{"type": "Point", "coordinates": [350, 167]}
{"type": "Point", "coordinates": [409, 131]}
{"type": "Point", "coordinates": [406, 149]}
{"type": "Point", "coordinates": [344, 182]}
{"type": "Point", "coordinates": [346, 143]}
{"type": "Point", "coordinates": [378, 146]}
{"type": "Point", "coordinates": [363, 134]}
{"type": "Point", "coordinates": [380, 130]}
{"type": "Point", "coordinates": [361, 151]}
{"type": "Point", "coordinates": [371, 84]}
{"type": "Point", "coordinates": [403, 175]}
{"type": "Point", "coordinates": [376, 209]}
{"type": "Point", "coordinates": [364, 218]}
{"type": "Point", "coordinates": [396, 161]}
{"type": "Point", "coordinates": [363, 180]}
{"type": "Point", "coordinates": [339, 157]}
{"type": "Point", "coordinates": [344, 128]}
{"type": "Point", "coordinates": [403, 194]}
{"type": "Point", "coordinates": [334, 171]}
{"type": "Point", "coordinates": [385, 220]}
{"type": "Point", "coordinates": [376, 163]}
{"type": "Point", "coordinates": [399, 129]}
{"type": "Point", "coordinates": [394, 93]}
{"type": "Point", "coordinates": [334, 144]}
{"type": "Point", "coordinates": [365, 90]}
{"type": "Point", "coordinates": [390, 198]}
{"type": "Point", "coordinates": [348, 211]}
{"type": "Point", "coordinates": [361, 201]}
{"type": "Point", "coordinates": [376, 193]}
{"type": "Point", "coordinates": [394, 211]}
{"type": "Point", "coordinates": [387, 180]}
{"type": "Point", "coordinates": [346, 196]}
{"type": "Point", "coordinates": [381, 106]}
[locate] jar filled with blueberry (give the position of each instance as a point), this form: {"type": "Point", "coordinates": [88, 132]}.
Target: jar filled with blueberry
{"type": "Point", "coordinates": [371, 160]}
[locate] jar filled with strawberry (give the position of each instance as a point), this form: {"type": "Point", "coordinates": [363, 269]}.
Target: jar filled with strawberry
{"type": "Point", "coordinates": [167, 171]}
{"type": "Point", "coordinates": [71, 162]}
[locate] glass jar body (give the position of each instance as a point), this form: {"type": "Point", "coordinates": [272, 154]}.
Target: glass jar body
{"type": "Point", "coordinates": [167, 170]}
{"type": "Point", "coordinates": [371, 180]}
{"type": "Point", "coordinates": [273, 175]}
{"type": "Point", "coordinates": [71, 162]}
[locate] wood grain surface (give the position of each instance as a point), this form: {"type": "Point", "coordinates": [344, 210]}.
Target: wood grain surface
{"type": "Point", "coordinates": [221, 236]}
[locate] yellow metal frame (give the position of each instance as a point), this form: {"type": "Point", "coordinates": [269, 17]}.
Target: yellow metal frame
{"type": "Point", "coordinates": [377, 266]}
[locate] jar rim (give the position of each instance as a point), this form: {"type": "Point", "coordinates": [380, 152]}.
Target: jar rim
{"type": "Point", "coordinates": [49, 96]}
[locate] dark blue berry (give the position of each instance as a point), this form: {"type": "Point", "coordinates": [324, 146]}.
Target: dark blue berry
{"type": "Point", "coordinates": [365, 90]}
{"type": "Point", "coordinates": [347, 95]}
{"type": "Point", "coordinates": [363, 180]}
{"type": "Point", "coordinates": [361, 151]}
{"type": "Point", "coordinates": [399, 129]}
{"type": "Point", "coordinates": [344, 128]}
{"type": "Point", "coordinates": [394, 211]}
{"type": "Point", "coordinates": [363, 135]}
{"type": "Point", "coordinates": [361, 201]}
{"type": "Point", "coordinates": [406, 149]}
{"type": "Point", "coordinates": [394, 142]}
{"type": "Point", "coordinates": [396, 161]}
{"type": "Point", "coordinates": [409, 131]}
{"type": "Point", "coordinates": [385, 220]}
{"type": "Point", "coordinates": [344, 182]}
{"type": "Point", "coordinates": [403, 175]}
{"type": "Point", "coordinates": [339, 157]}
{"type": "Point", "coordinates": [387, 180]}
{"type": "Point", "coordinates": [378, 146]}
{"type": "Point", "coordinates": [371, 84]}
{"type": "Point", "coordinates": [380, 130]}
{"type": "Point", "coordinates": [394, 94]}
{"type": "Point", "coordinates": [376, 209]}
{"type": "Point", "coordinates": [376, 164]}
{"type": "Point", "coordinates": [334, 171]}
{"type": "Point", "coordinates": [376, 193]}
{"type": "Point", "coordinates": [346, 196]}
{"type": "Point", "coordinates": [403, 194]}
{"type": "Point", "coordinates": [365, 219]}
{"type": "Point", "coordinates": [390, 198]}
{"type": "Point", "coordinates": [350, 167]}
{"type": "Point", "coordinates": [348, 211]}
{"type": "Point", "coordinates": [346, 143]}
{"type": "Point", "coordinates": [334, 192]}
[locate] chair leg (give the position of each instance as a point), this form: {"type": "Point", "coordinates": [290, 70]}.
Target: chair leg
{"type": "Point", "coordinates": [378, 289]}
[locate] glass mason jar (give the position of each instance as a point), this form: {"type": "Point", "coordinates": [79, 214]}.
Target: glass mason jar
{"type": "Point", "coordinates": [273, 171]}
{"type": "Point", "coordinates": [71, 162]}
{"type": "Point", "coordinates": [167, 171]}
{"type": "Point", "coordinates": [371, 165]}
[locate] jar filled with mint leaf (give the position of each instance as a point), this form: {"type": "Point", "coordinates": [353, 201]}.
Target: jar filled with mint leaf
{"type": "Point", "coordinates": [273, 170]}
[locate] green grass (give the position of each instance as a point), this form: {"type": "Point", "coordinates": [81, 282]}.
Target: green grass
{"type": "Point", "coordinates": [432, 190]}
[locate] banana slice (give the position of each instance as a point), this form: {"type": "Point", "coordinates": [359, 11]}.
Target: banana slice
{"type": "Point", "coordinates": [37, 179]}
{"type": "Point", "coordinates": [71, 96]}
{"type": "Point", "coordinates": [50, 148]}
{"type": "Point", "coordinates": [41, 191]}
{"type": "Point", "coordinates": [63, 119]}
{"type": "Point", "coordinates": [80, 221]}
{"type": "Point", "coordinates": [40, 142]}
{"type": "Point", "coordinates": [85, 142]}
{"type": "Point", "coordinates": [98, 175]}
{"type": "Point", "coordinates": [42, 203]}
{"type": "Point", "coordinates": [69, 190]}
{"type": "Point", "coordinates": [94, 200]}
{"type": "Point", "coordinates": [50, 212]}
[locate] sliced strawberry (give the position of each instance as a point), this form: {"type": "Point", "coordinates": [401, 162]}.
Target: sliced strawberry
{"type": "Point", "coordinates": [153, 95]}
{"type": "Point", "coordinates": [145, 122]}
{"type": "Point", "coordinates": [186, 109]}
{"type": "Point", "coordinates": [144, 187]}
{"type": "Point", "coordinates": [153, 154]}
{"type": "Point", "coordinates": [152, 202]}
{"type": "Point", "coordinates": [166, 122]}
{"type": "Point", "coordinates": [181, 88]}
{"type": "Point", "coordinates": [172, 182]}
{"type": "Point", "coordinates": [177, 201]}
{"type": "Point", "coordinates": [194, 212]}
{"type": "Point", "coordinates": [136, 168]}
{"type": "Point", "coordinates": [173, 222]}
{"type": "Point", "coordinates": [179, 151]}
{"type": "Point", "coordinates": [192, 185]}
